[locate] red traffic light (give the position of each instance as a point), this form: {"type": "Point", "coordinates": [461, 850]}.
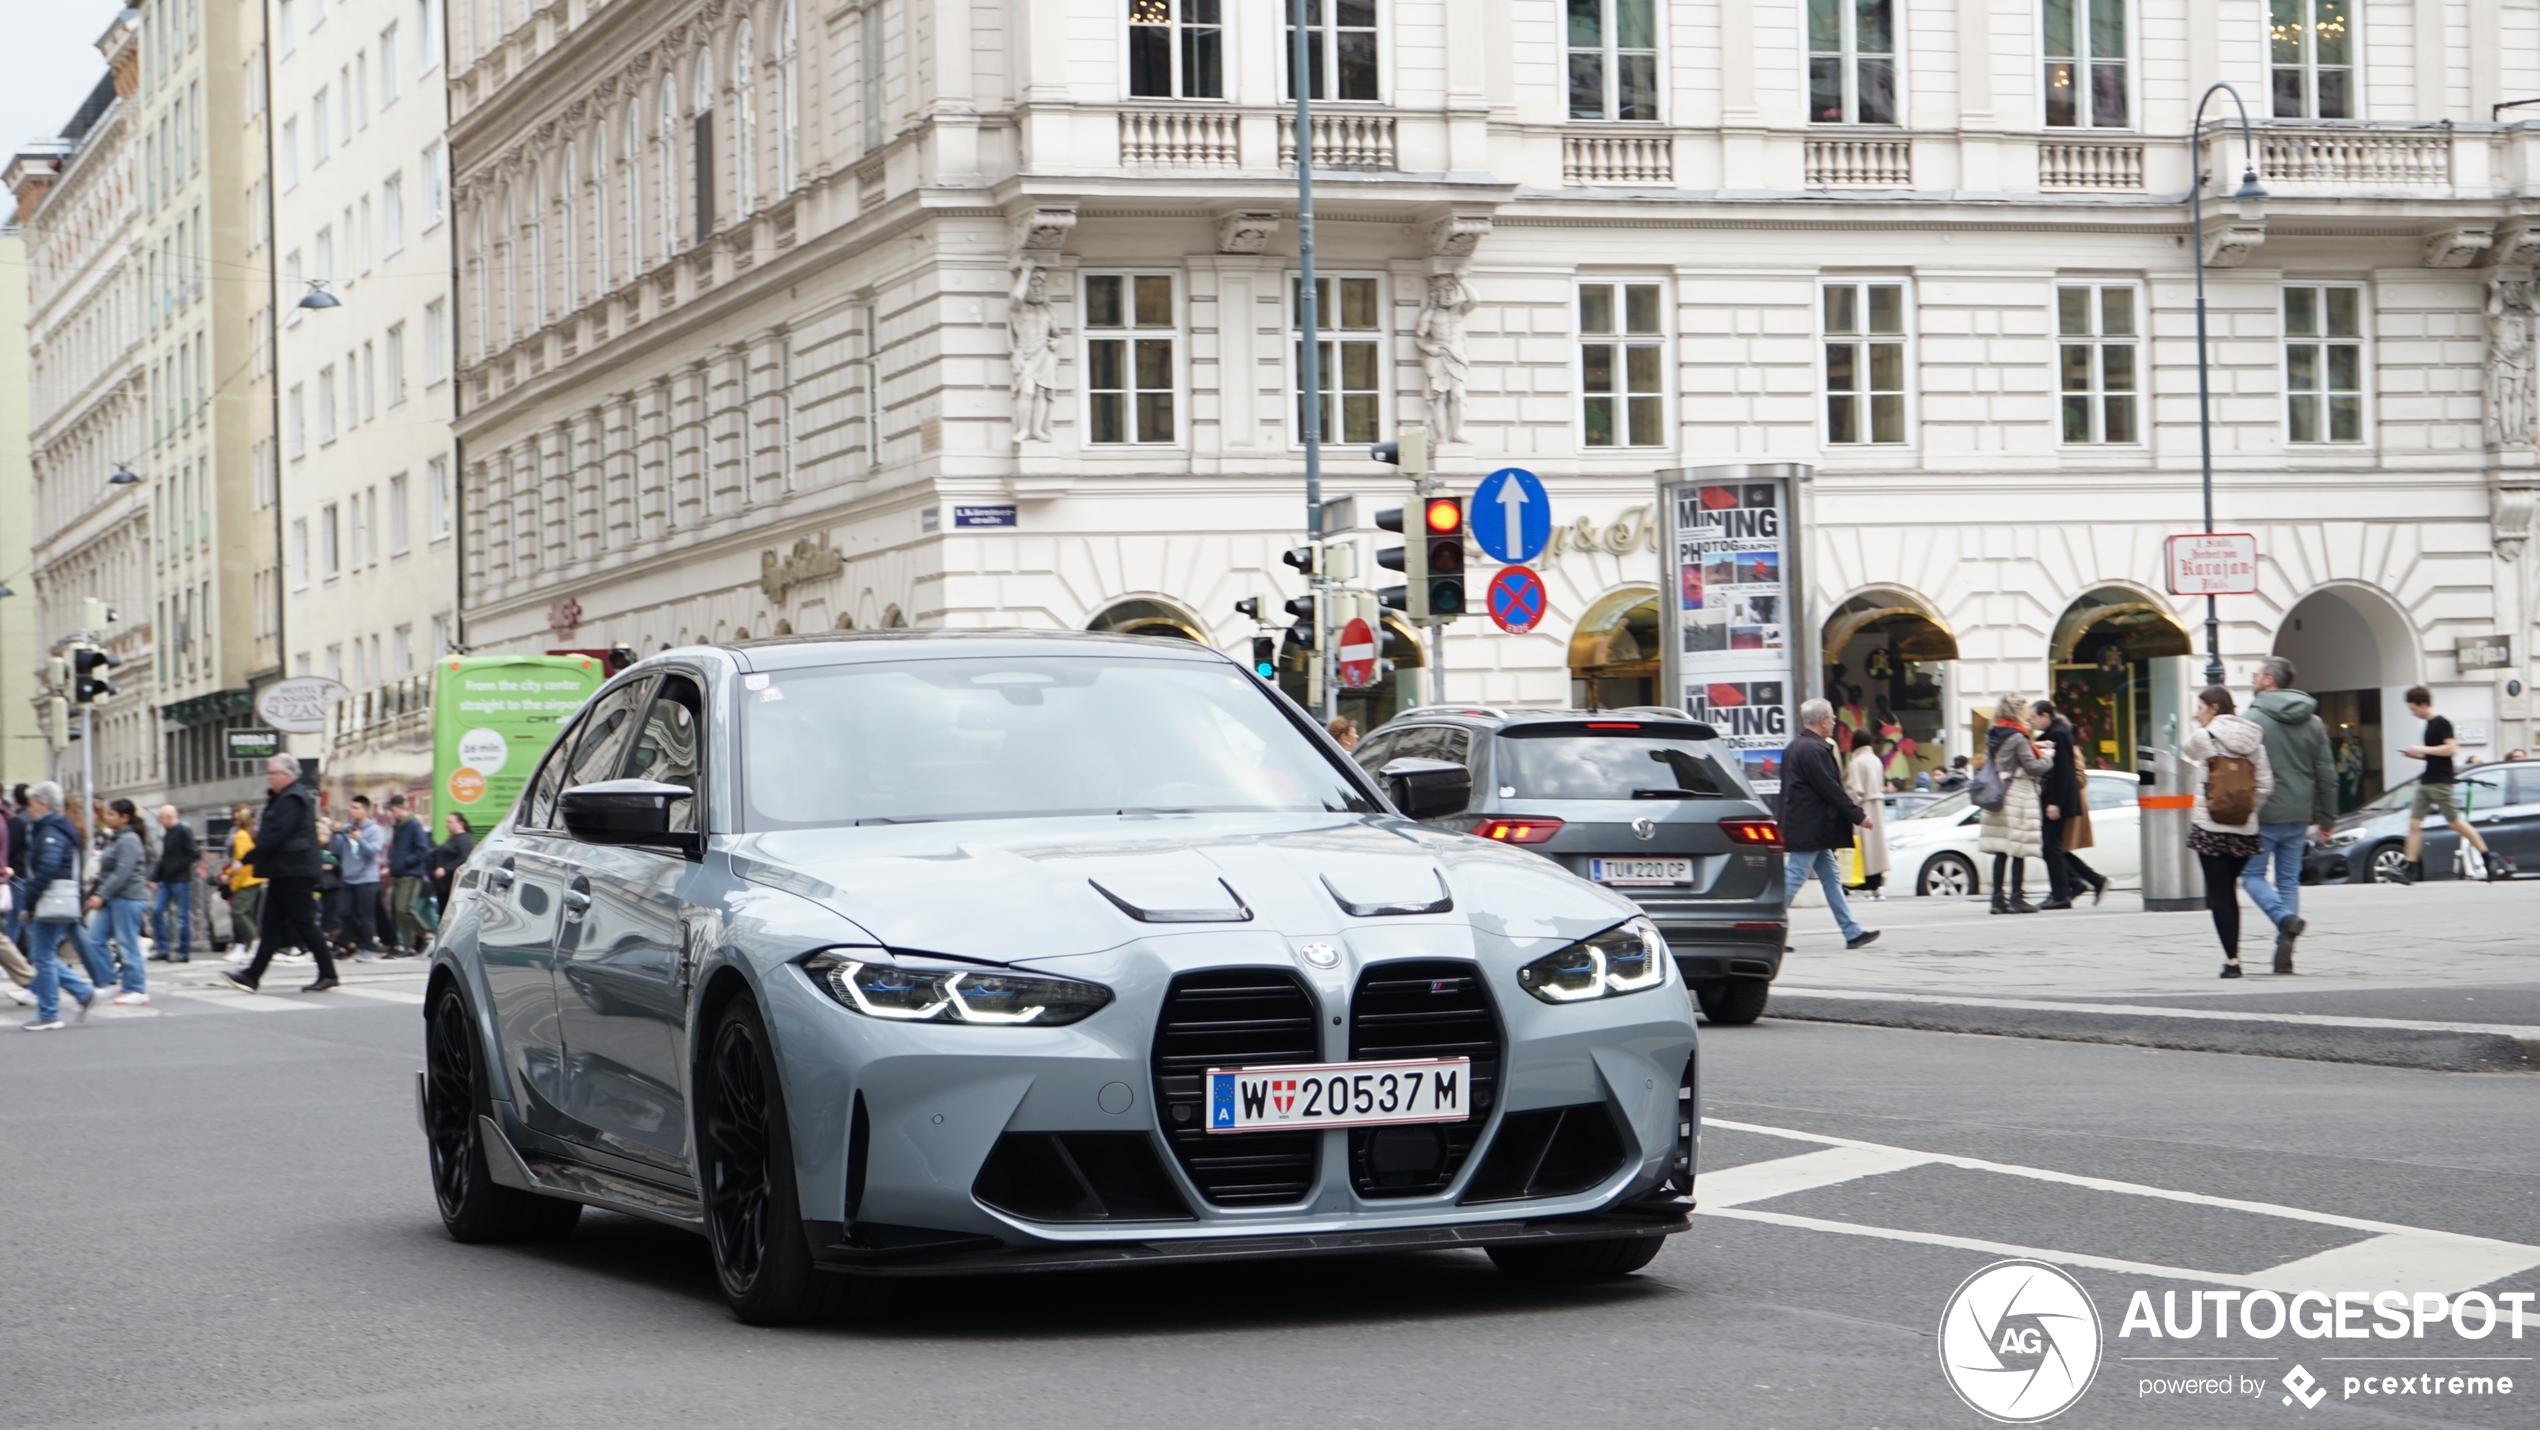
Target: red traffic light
{"type": "Point", "coordinates": [1446, 515]}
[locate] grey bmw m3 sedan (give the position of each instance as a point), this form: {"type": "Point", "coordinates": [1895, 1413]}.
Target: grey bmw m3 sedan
{"type": "Point", "coordinates": [932, 953]}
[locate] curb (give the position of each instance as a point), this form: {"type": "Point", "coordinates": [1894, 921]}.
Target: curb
{"type": "Point", "coordinates": [2400, 1047]}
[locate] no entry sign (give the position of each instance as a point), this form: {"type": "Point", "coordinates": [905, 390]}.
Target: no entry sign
{"type": "Point", "coordinates": [2214, 563]}
{"type": "Point", "coordinates": [1517, 599]}
{"type": "Point", "coordinates": [1358, 655]}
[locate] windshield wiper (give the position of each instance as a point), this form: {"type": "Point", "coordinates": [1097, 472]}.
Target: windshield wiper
{"type": "Point", "coordinates": [1673, 794]}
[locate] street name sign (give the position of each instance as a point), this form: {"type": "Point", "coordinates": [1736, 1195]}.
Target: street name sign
{"type": "Point", "coordinates": [2214, 563]}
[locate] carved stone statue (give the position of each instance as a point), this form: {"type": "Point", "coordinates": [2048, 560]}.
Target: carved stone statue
{"type": "Point", "coordinates": [1034, 326]}
{"type": "Point", "coordinates": [2510, 410]}
{"type": "Point", "coordinates": [1442, 352]}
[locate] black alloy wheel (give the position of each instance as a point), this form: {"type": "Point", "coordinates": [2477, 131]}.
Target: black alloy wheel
{"type": "Point", "coordinates": [473, 1206]}
{"type": "Point", "coordinates": [746, 1163]}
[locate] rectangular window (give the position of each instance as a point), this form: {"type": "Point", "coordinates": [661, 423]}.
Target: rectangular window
{"type": "Point", "coordinates": [440, 636]}
{"type": "Point", "coordinates": [428, 44]}
{"type": "Point", "coordinates": [2097, 362]}
{"type": "Point", "coordinates": [360, 237]}
{"type": "Point", "coordinates": [2086, 64]}
{"type": "Point", "coordinates": [435, 185]}
{"type": "Point", "coordinates": [288, 25]}
{"type": "Point", "coordinates": [1865, 363]}
{"type": "Point", "coordinates": [1177, 49]}
{"type": "Point", "coordinates": [1129, 361]}
{"type": "Point", "coordinates": [785, 410]}
{"type": "Point", "coordinates": [360, 533]}
{"type": "Point", "coordinates": [2324, 363]}
{"type": "Point", "coordinates": [436, 498]}
{"type": "Point", "coordinates": [321, 130]}
{"type": "Point", "coordinates": [405, 648]}
{"type": "Point", "coordinates": [397, 532]}
{"type": "Point", "coordinates": [1340, 48]}
{"type": "Point", "coordinates": [299, 420]}
{"type": "Point", "coordinates": [2311, 53]}
{"type": "Point", "coordinates": [392, 215]}
{"type": "Point", "coordinates": [370, 381]}
{"type": "Point", "coordinates": [392, 77]}
{"type": "Point", "coordinates": [435, 339]}
{"type": "Point", "coordinates": [1349, 353]}
{"type": "Point", "coordinates": [1613, 48]}
{"type": "Point", "coordinates": [396, 365]}
{"type": "Point", "coordinates": [326, 405]}
{"type": "Point", "coordinates": [1622, 365]}
{"type": "Point", "coordinates": [326, 254]}
{"type": "Point", "coordinates": [360, 74]}
{"type": "Point", "coordinates": [289, 151]}
{"type": "Point", "coordinates": [1852, 61]}
{"type": "Point", "coordinates": [869, 77]}
{"type": "Point", "coordinates": [300, 553]}
{"type": "Point", "coordinates": [330, 542]}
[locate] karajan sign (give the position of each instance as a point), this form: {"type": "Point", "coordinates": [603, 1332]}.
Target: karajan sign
{"type": "Point", "coordinates": [2214, 563]}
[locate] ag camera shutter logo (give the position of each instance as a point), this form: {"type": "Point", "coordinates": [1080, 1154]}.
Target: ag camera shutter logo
{"type": "Point", "coordinates": [2020, 1341]}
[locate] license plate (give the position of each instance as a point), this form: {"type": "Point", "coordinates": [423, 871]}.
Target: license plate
{"type": "Point", "coordinates": [1641, 871]}
{"type": "Point", "coordinates": [1284, 1099]}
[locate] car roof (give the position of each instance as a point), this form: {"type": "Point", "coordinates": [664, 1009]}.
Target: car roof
{"type": "Point", "coordinates": [796, 652]}
{"type": "Point", "coordinates": [1495, 717]}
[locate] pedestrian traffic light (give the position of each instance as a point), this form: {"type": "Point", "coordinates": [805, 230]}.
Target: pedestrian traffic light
{"type": "Point", "coordinates": [1265, 657]}
{"type": "Point", "coordinates": [85, 688]}
{"type": "Point", "coordinates": [1300, 557]}
{"type": "Point", "coordinates": [1443, 517]}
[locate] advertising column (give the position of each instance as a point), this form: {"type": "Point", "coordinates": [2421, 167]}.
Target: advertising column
{"type": "Point", "coordinates": [1731, 625]}
{"type": "Point", "coordinates": [492, 717]}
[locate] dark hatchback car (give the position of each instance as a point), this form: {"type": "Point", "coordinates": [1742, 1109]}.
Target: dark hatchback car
{"type": "Point", "coordinates": [1643, 801]}
{"type": "Point", "coordinates": [2500, 801]}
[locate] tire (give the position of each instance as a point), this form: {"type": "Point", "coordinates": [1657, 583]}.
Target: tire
{"type": "Point", "coordinates": [474, 1207]}
{"type": "Point", "coordinates": [1571, 1262]}
{"type": "Point", "coordinates": [1736, 1003]}
{"type": "Point", "coordinates": [2386, 864]}
{"type": "Point", "coordinates": [745, 1157]}
{"type": "Point", "coordinates": [1948, 876]}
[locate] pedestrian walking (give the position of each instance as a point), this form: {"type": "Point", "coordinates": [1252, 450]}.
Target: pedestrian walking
{"type": "Point", "coordinates": [365, 853]}
{"type": "Point", "coordinates": [1343, 729]}
{"type": "Point", "coordinates": [2434, 791]}
{"type": "Point", "coordinates": [1953, 778]}
{"type": "Point", "coordinates": [14, 833]}
{"type": "Point", "coordinates": [2064, 811]}
{"type": "Point", "coordinates": [53, 861]}
{"type": "Point", "coordinates": [332, 849]}
{"type": "Point", "coordinates": [2305, 768]}
{"type": "Point", "coordinates": [120, 900]}
{"type": "Point", "coordinates": [174, 873]}
{"type": "Point", "coordinates": [246, 888]}
{"type": "Point", "coordinates": [2223, 827]}
{"type": "Point", "coordinates": [409, 869]}
{"type": "Point", "coordinates": [285, 856]}
{"type": "Point", "coordinates": [2011, 827]}
{"type": "Point", "coordinates": [1818, 816]}
{"type": "Point", "coordinates": [450, 856]}
{"type": "Point", "coordinates": [1865, 779]}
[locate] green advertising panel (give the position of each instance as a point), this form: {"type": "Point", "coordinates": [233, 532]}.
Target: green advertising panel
{"type": "Point", "coordinates": [492, 717]}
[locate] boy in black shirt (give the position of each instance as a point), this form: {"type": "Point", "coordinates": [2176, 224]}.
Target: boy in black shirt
{"type": "Point", "coordinates": [2434, 789]}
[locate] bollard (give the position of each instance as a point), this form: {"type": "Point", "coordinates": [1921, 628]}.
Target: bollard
{"type": "Point", "coordinates": [2172, 879]}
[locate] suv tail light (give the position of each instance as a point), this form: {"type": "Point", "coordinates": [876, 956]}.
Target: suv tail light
{"type": "Point", "coordinates": [1530, 831]}
{"type": "Point", "coordinates": [1762, 832]}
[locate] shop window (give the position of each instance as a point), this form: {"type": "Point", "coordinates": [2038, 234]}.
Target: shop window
{"type": "Point", "coordinates": [2096, 362]}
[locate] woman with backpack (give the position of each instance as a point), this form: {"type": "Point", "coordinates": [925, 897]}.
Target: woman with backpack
{"type": "Point", "coordinates": [2006, 790]}
{"type": "Point", "coordinates": [2223, 829]}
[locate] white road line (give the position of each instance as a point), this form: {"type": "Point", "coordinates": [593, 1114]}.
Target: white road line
{"type": "Point", "coordinates": [1990, 1248]}
{"type": "Point", "coordinates": [1761, 1181]}
{"type": "Point", "coordinates": [2040, 1005]}
{"type": "Point", "coordinates": [408, 996]}
{"type": "Point", "coordinates": [2400, 1257]}
{"type": "Point", "coordinates": [208, 1002]}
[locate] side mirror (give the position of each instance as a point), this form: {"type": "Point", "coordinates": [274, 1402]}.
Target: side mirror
{"type": "Point", "coordinates": [1426, 789]}
{"type": "Point", "coordinates": [627, 812]}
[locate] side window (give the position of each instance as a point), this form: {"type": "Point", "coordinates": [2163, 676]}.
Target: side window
{"type": "Point", "coordinates": [539, 805]}
{"type": "Point", "coordinates": [1456, 745]}
{"type": "Point", "coordinates": [602, 738]}
{"type": "Point", "coordinates": [1421, 742]}
{"type": "Point", "coordinates": [2526, 783]}
{"type": "Point", "coordinates": [1373, 751]}
{"type": "Point", "coordinates": [2483, 789]}
{"type": "Point", "coordinates": [669, 746]}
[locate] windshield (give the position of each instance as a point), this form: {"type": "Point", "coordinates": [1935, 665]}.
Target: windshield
{"type": "Point", "coordinates": [1948, 804]}
{"type": "Point", "coordinates": [1576, 764]}
{"type": "Point", "coordinates": [1020, 736]}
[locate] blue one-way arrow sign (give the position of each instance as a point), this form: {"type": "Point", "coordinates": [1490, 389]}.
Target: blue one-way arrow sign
{"type": "Point", "coordinates": [1511, 515]}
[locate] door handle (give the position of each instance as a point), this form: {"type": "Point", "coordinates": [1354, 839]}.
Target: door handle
{"type": "Point", "coordinates": [501, 878]}
{"type": "Point", "coordinates": [577, 898]}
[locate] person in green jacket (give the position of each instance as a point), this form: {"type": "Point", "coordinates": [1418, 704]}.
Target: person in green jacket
{"type": "Point", "coordinates": [2305, 797]}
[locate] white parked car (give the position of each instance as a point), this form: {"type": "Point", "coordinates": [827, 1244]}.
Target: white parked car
{"type": "Point", "coordinates": [1933, 851]}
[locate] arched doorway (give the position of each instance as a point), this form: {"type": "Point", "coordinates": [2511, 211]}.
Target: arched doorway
{"type": "Point", "coordinates": [1887, 671]}
{"type": "Point", "coordinates": [1389, 696]}
{"type": "Point", "coordinates": [1614, 652]}
{"type": "Point", "coordinates": [2117, 668]}
{"type": "Point", "coordinates": [1146, 618]}
{"type": "Point", "coordinates": [2352, 651]}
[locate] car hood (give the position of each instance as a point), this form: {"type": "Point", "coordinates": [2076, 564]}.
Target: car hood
{"type": "Point", "coordinates": [1015, 890]}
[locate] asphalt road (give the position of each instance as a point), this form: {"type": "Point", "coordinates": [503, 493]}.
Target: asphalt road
{"type": "Point", "coordinates": [221, 1219]}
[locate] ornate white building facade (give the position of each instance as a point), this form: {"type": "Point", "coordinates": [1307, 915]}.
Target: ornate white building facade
{"type": "Point", "coordinates": [980, 312]}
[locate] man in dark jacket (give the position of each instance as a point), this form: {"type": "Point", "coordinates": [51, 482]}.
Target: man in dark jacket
{"type": "Point", "coordinates": [286, 858]}
{"type": "Point", "coordinates": [174, 874]}
{"type": "Point", "coordinates": [2060, 793]}
{"type": "Point", "coordinates": [409, 864]}
{"type": "Point", "coordinates": [2305, 797]}
{"type": "Point", "coordinates": [1818, 817]}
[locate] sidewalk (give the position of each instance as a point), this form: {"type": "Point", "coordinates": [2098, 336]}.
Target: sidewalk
{"type": "Point", "coordinates": [2443, 976]}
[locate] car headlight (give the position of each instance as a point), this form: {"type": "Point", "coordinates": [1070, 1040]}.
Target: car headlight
{"type": "Point", "coordinates": [1628, 958]}
{"type": "Point", "coordinates": [902, 994]}
{"type": "Point", "coordinates": [2343, 837]}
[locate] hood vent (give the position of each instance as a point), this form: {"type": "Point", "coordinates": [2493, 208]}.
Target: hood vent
{"type": "Point", "coordinates": [1168, 900]}
{"type": "Point", "coordinates": [1377, 898]}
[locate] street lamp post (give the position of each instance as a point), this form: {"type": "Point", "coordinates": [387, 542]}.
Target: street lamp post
{"type": "Point", "coordinates": [2248, 189]}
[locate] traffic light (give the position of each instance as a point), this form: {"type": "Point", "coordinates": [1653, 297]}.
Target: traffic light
{"type": "Point", "coordinates": [85, 688]}
{"type": "Point", "coordinates": [1409, 451]}
{"type": "Point", "coordinates": [1410, 558]}
{"type": "Point", "coordinates": [1443, 541]}
{"type": "Point", "coordinates": [1265, 657]}
{"type": "Point", "coordinates": [1300, 557]}
{"type": "Point", "coordinates": [1302, 607]}
{"type": "Point", "coordinates": [1249, 606]}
